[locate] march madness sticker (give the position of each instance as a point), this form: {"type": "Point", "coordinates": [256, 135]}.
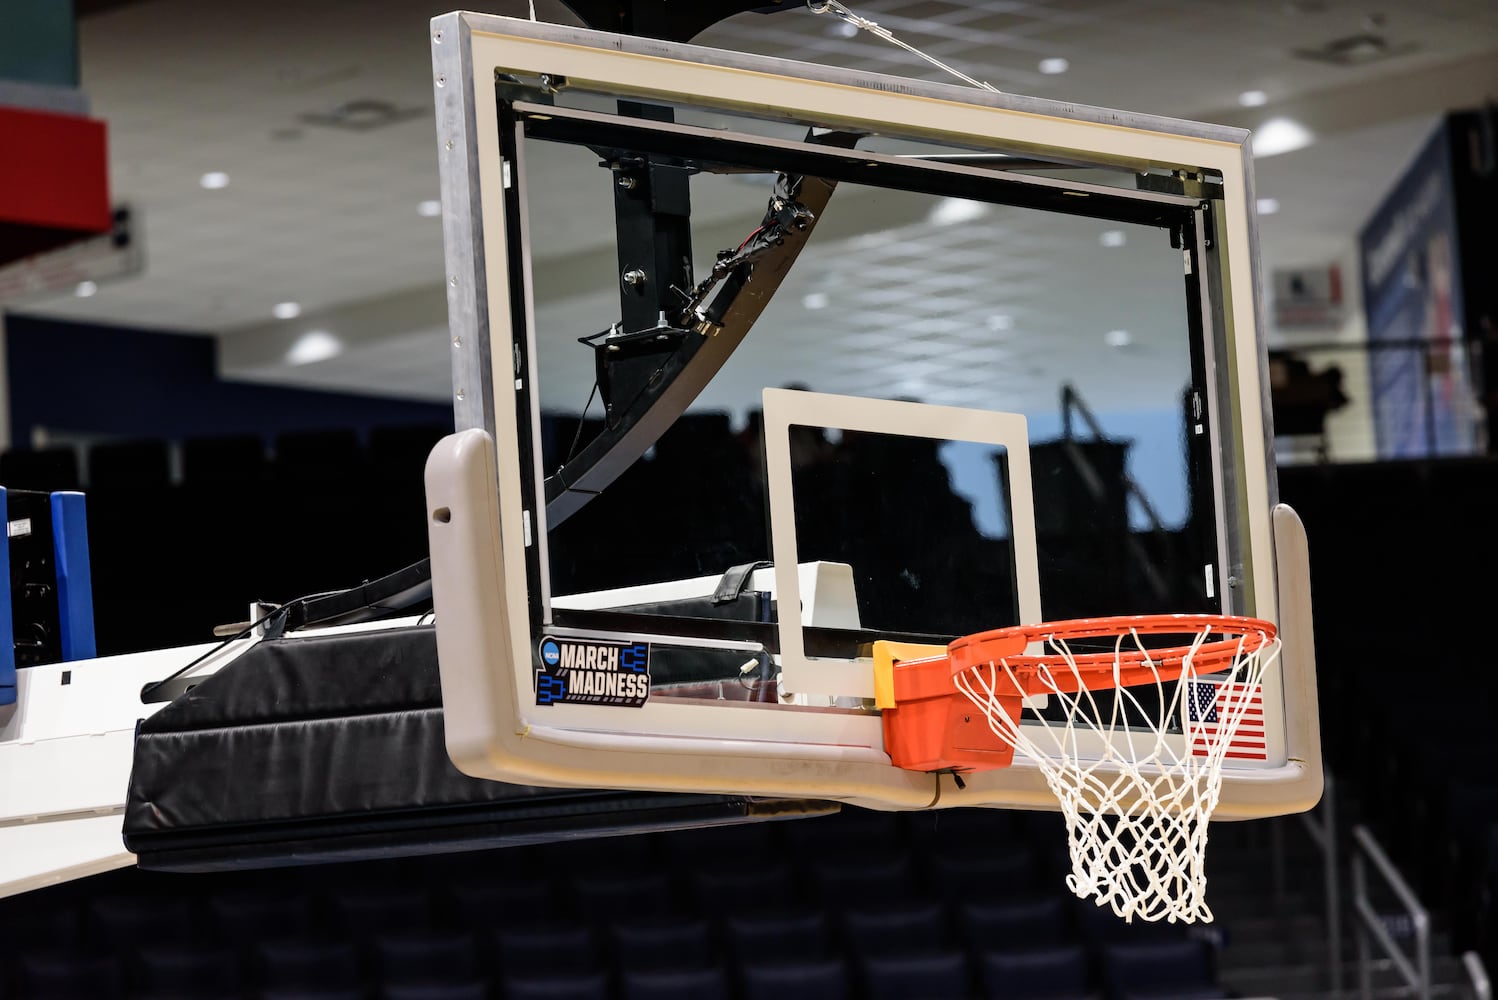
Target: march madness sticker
{"type": "Point", "coordinates": [593, 672]}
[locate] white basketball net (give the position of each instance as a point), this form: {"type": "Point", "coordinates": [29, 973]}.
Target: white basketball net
{"type": "Point", "coordinates": [1137, 814]}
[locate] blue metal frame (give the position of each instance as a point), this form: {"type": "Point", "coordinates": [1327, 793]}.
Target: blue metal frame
{"type": "Point", "coordinates": [75, 592]}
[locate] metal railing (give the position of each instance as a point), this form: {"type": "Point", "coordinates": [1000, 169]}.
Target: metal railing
{"type": "Point", "coordinates": [1372, 926]}
{"type": "Point", "coordinates": [1477, 976]}
{"type": "Point", "coordinates": [1321, 825]}
{"type": "Point", "coordinates": [1073, 404]}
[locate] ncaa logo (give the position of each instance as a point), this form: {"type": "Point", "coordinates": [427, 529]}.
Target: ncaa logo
{"type": "Point", "coordinates": [551, 654]}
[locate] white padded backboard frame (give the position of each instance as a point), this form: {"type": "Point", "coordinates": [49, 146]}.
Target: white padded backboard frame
{"type": "Point", "coordinates": [483, 526]}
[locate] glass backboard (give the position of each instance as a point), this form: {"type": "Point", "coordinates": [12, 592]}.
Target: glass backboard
{"type": "Point", "coordinates": [757, 363]}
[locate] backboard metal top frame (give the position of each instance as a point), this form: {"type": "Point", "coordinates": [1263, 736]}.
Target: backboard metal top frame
{"type": "Point", "coordinates": [487, 514]}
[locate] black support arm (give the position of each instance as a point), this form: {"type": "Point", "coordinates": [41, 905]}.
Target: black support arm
{"type": "Point", "coordinates": [669, 20]}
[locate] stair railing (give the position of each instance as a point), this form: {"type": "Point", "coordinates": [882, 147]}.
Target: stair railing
{"type": "Point", "coordinates": [1321, 825]}
{"type": "Point", "coordinates": [1072, 403]}
{"type": "Point", "coordinates": [1371, 926]}
{"type": "Point", "coordinates": [1477, 976]}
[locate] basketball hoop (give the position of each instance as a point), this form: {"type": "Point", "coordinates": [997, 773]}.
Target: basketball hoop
{"type": "Point", "coordinates": [1137, 779]}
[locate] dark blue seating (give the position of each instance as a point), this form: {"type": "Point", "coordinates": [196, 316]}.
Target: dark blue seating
{"type": "Point", "coordinates": [772, 979]}
{"type": "Point", "coordinates": [134, 465]}
{"type": "Point", "coordinates": [609, 858]}
{"type": "Point", "coordinates": [365, 911]}
{"type": "Point", "coordinates": [556, 986]}
{"type": "Point", "coordinates": [245, 916]}
{"type": "Point", "coordinates": [39, 928]}
{"type": "Point", "coordinates": [68, 975]}
{"type": "Point", "coordinates": [974, 875]}
{"type": "Point", "coordinates": [1137, 968]}
{"type": "Point", "coordinates": [425, 956]}
{"type": "Point", "coordinates": [661, 943]}
{"type": "Point", "coordinates": [715, 890]}
{"type": "Point", "coordinates": [544, 947]}
{"type": "Point", "coordinates": [789, 933]}
{"type": "Point", "coordinates": [708, 983]}
{"type": "Point", "coordinates": [475, 989]}
{"type": "Point", "coordinates": [124, 920]}
{"type": "Point", "coordinates": [1035, 974]}
{"type": "Point", "coordinates": [603, 897]}
{"type": "Point", "coordinates": [483, 904]}
{"type": "Point", "coordinates": [187, 970]}
{"type": "Point", "coordinates": [307, 965]}
{"type": "Point", "coordinates": [1100, 926]}
{"type": "Point", "coordinates": [896, 929]}
{"type": "Point", "coordinates": [43, 469]}
{"type": "Point", "coordinates": [939, 975]}
{"type": "Point", "coordinates": [952, 832]}
{"type": "Point", "coordinates": [855, 879]}
{"type": "Point", "coordinates": [1039, 921]}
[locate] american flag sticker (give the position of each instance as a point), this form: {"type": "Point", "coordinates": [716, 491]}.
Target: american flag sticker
{"type": "Point", "coordinates": [1212, 703]}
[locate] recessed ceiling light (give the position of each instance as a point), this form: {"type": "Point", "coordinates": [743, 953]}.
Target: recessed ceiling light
{"type": "Point", "coordinates": [814, 300]}
{"type": "Point", "coordinates": [1253, 98]}
{"type": "Point", "coordinates": [1268, 206]}
{"type": "Point", "coordinates": [429, 208]}
{"type": "Point", "coordinates": [1054, 65]}
{"type": "Point", "coordinates": [1281, 135]}
{"type": "Point", "coordinates": [1113, 238]}
{"type": "Point", "coordinates": [214, 179]}
{"type": "Point", "coordinates": [842, 29]}
{"type": "Point", "coordinates": [86, 289]}
{"type": "Point", "coordinates": [952, 211]}
{"type": "Point", "coordinates": [287, 310]}
{"type": "Point", "coordinates": [998, 321]}
{"type": "Point", "coordinates": [1117, 338]}
{"type": "Point", "coordinates": [314, 346]}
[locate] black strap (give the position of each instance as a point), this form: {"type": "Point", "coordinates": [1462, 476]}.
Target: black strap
{"type": "Point", "coordinates": [735, 580]}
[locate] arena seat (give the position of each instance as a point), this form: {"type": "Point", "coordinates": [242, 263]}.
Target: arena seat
{"type": "Point", "coordinates": [709, 983]}
{"type": "Point", "coordinates": [248, 914]}
{"type": "Point", "coordinates": [308, 965]}
{"type": "Point", "coordinates": [937, 975]}
{"type": "Point", "coordinates": [661, 943]}
{"type": "Point", "coordinates": [1137, 968]}
{"type": "Point", "coordinates": [790, 932]}
{"type": "Point", "coordinates": [472, 990]}
{"type": "Point", "coordinates": [69, 975]}
{"type": "Point", "coordinates": [719, 888]}
{"type": "Point", "coordinates": [168, 970]}
{"type": "Point", "coordinates": [1057, 973]}
{"type": "Point", "coordinates": [432, 956]}
{"type": "Point", "coordinates": [365, 910]}
{"type": "Point", "coordinates": [771, 979]}
{"type": "Point", "coordinates": [856, 879]}
{"type": "Point", "coordinates": [896, 928]}
{"type": "Point", "coordinates": [556, 986]}
{"type": "Point", "coordinates": [1041, 921]}
{"type": "Point", "coordinates": [533, 949]}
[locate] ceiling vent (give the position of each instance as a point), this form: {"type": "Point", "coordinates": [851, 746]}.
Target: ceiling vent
{"type": "Point", "coordinates": [1356, 50]}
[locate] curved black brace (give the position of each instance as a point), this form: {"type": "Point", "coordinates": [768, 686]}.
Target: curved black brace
{"type": "Point", "coordinates": [680, 22]}
{"type": "Point", "coordinates": [682, 377]}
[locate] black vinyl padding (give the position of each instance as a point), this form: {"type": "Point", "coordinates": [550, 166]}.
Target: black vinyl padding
{"type": "Point", "coordinates": [331, 748]}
